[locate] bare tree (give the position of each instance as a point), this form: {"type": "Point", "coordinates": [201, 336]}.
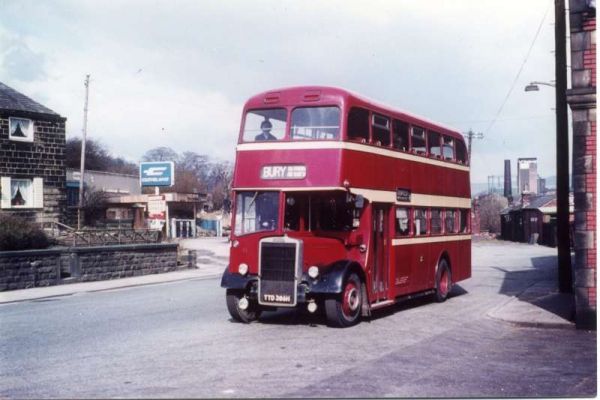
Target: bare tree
{"type": "Point", "coordinates": [161, 154]}
{"type": "Point", "coordinates": [489, 212]}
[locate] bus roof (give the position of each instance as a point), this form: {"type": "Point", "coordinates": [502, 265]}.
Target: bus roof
{"type": "Point", "coordinates": [326, 95]}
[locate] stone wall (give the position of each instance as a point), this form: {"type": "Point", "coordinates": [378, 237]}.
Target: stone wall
{"type": "Point", "coordinates": [42, 158]}
{"type": "Point", "coordinates": [582, 99]}
{"type": "Point", "coordinates": [33, 268]}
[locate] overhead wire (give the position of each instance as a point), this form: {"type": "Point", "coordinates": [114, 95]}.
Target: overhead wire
{"type": "Point", "coordinates": [514, 83]}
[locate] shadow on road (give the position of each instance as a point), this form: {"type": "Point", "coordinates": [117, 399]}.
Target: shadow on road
{"type": "Point", "coordinates": [303, 317]}
{"type": "Point", "coordinates": [539, 286]}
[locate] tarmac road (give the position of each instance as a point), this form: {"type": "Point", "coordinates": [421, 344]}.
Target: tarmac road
{"type": "Point", "coordinates": [176, 340]}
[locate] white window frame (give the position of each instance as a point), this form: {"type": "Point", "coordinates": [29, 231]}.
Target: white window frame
{"type": "Point", "coordinates": [29, 133]}
{"type": "Point", "coordinates": [37, 193]}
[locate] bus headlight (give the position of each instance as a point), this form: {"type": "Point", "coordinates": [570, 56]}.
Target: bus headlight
{"type": "Point", "coordinates": [313, 272]}
{"type": "Point", "coordinates": [243, 269]}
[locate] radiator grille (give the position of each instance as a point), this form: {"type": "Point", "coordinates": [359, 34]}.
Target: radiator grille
{"type": "Point", "coordinates": [278, 273]}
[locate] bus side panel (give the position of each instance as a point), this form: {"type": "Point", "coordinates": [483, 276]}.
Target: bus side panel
{"type": "Point", "coordinates": [463, 269]}
{"type": "Point", "coordinates": [421, 261]}
{"type": "Point", "coordinates": [402, 266]}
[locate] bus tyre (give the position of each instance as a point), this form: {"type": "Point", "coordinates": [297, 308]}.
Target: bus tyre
{"type": "Point", "coordinates": [345, 310]}
{"type": "Point", "coordinates": [248, 315]}
{"type": "Point", "coordinates": [443, 281]}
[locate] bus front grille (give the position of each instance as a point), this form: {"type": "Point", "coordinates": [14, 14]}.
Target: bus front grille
{"type": "Point", "coordinates": [277, 274]}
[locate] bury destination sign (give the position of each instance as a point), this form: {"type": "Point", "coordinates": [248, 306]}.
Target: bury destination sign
{"type": "Point", "coordinates": [283, 172]}
{"type": "Point", "coordinates": [157, 173]}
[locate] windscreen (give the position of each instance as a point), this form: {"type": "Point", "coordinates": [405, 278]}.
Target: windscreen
{"type": "Point", "coordinates": [263, 125]}
{"type": "Point", "coordinates": [256, 211]}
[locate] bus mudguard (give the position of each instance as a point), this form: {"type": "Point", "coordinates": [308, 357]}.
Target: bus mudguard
{"type": "Point", "coordinates": [235, 281]}
{"type": "Point", "coordinates": [332, 277]}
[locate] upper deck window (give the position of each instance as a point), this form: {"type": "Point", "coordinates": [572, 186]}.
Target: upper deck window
{"type": "Point", "coordinates": [418, 140]}
{"type": "Point", "coordinates": [268, 124]}
{"type": "Point", "coordinates": [400, 134]}
{"type": "Point", "coordinates": [358, 124]}
{"type": "Point", "coordinates": [316, 123]}
{"type": "Point", "coordinates": [433, 144]}
{"type": "Point", "coordinates": [461, 152]}
{"type": "Point", "coordinates": [381, 130]}
{"type": "Point", "coordinates": [448, 148]}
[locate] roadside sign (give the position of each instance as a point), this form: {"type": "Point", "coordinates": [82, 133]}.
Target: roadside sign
{"type": "Point", "coordinates": [157, 173]}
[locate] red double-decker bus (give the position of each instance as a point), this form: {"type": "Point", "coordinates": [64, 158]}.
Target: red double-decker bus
{"type": "Point", "coordinates": [345, 205]}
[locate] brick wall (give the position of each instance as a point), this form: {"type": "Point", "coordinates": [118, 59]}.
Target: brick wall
{"type": "Point", "coordinates": [42, 158]}
{"type": "Point", "coordinates": [582, 99]}
{"type": "Point", "coordinates": [32, 268]}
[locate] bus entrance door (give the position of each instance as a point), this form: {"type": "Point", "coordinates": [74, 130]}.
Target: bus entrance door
{"type": "Point", "coordinates": [380, 266]}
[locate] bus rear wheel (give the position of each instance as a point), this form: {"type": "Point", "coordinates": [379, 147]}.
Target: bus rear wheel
{"type": "Point", "coordinates": [245, 314]}
{"type": "Point", "coordinates": [443, 281]}
{"type": "Point", "coordinates": [345, 310]}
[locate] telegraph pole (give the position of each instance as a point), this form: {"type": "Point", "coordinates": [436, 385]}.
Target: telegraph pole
{"type": "Point", "coordinates": [82, 168]}
{"type": "Point", "coordinates": [565, 280]}
{"type": "Point", "coordinates": [470, 136]}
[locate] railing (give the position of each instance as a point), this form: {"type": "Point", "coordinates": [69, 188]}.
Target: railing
{"type": "Point", "coordinates": [69, 236]}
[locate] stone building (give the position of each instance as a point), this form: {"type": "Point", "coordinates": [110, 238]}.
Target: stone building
{"type": "Point", "coordinates": [32, 158]}
{"type": "Point", "coordinates": [582, 99]}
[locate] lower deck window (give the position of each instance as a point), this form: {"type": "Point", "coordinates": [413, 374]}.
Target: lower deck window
{"type": "Point", "coordinates": [420, 222]}
{"type": "Point", "coordinates": [464, 221]}
{"type": "Point", "coordinates": [332, 211]}
{"type": "Point", "coordinates": [449, 221]}
{"type": "Point", "coordinates": [402, 222]}
{"type": "Point", "coordinates": [436, 221]}
{"type": "Point", "coordinates": [256, 211]}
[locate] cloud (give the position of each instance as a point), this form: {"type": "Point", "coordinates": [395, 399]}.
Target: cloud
{"type": "Point", "coordinates": [451, 61]}
{"type": "Point", "coordinates": [18, 60]}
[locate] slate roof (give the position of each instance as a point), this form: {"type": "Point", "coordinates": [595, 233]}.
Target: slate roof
{"type": "Point", "coordinates": [540, 201]}
{"type": "Point", "coordinates": [11, 100]}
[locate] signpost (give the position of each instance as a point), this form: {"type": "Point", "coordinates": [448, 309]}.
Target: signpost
{"type": "Point", "coordinates": [157, 173]}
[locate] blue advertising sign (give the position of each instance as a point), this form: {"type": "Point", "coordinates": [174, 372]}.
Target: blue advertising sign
{"type": "Point", "coordinates": [157, 173]}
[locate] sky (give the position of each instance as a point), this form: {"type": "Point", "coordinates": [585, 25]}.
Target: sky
{"type": "Point", "coordinates": [177, 73]}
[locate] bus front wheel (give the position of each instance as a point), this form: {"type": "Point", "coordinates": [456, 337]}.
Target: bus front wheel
{"type": "Point", "coordinates": [443, 281]}
{"type": "Point", "coordinates": [345, 309]}
{"type": "Point", "coordinates": [248, 314]}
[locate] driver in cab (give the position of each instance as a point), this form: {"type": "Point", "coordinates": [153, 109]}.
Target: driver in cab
{"type": "Point", "coordinates": [265, 127]}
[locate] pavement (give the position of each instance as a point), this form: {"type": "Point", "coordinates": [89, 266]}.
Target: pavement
{"type": "Point", "coordinates": [539, 305]}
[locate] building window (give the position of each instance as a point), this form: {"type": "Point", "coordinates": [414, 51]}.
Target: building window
{"type": "Point", "coordinates": [21, 193]}
{"type": "Point", "coordinates": [20, 129]}
{"type": "Point", "coordinates": [72, 196]}
{"type": "Point", "coordinates": [402, 227]}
